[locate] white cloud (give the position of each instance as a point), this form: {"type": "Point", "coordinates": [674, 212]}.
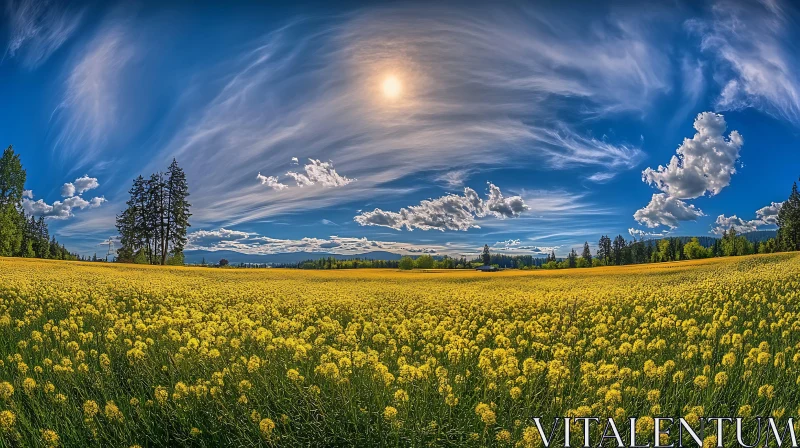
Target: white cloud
{"type": "Point", "coordinates": [68, 190]}
{"type": "Point", "coordinates": [271, 181]}
{"type": "Point", "coordinates": [643, 234]}
{"type": "Point", "coordinates": [59, 209]}
{"type": "Point", "coordinates": [501, 105]}
{"type": "Point", "coordinates": [205, 238]}
{"type": "Point", "coordinates": [80, 186]}
{"type": "Point", "coordinates": [97, 201]}
{"type": "Point", "coordinates": [667, 211]}
{"type": "Point", "coordinates": [757, 65]}
{"type": "Point", "coordinates": [768, 215]}
{"type": "Point", "coordinates": [318, 172]}
{"type": "Point", "coordinates": [27, 194]}
{"type": "Point", "coordinates": [724, 223]}
{"type": "Point", "coordinates": [454, 178]}
{"type": "Point", "coordinates": [38, 28]}
{"type": "Point", "coordinates": [515, 247]}
{"type": "Point", "coordinates": [450, 212]}
{"type": "Point", "coordinates": [765, 216]}
{"type": "Point", "coordinates": [703, 163]}
{"type": "Point", "coordinates": [252, 243]}
{"type": "Point", "coordinates": [91, 108]}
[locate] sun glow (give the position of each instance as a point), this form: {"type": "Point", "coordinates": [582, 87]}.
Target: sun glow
{"type": "Point", "coordinates": [392, 88]}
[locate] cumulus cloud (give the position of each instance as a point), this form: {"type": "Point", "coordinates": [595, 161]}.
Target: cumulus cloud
{"type": "Point", "coordinates": [80, 186]}
{"type": "Point", "coordinates": [60, 209]}
{"type": "Point", "coordinates": [318, 172]}
{"type": "Point", "coordinates": [204, 238]}
{"type": "Point", "coordinates": [665, 210]}
{"type": "Point", "coordinates": [27, 194]}
{"type": "Point", "coordinates": [450, 212]}
{"type": "Point", "coordinates": [38, 28]}
{"type": "Point", "coordinates": [724, 223]}
{"type": "Point", "coordinates": [768, 215]}
{"type": "Point", "coordinates": [515, 247]}
{"type": "Point", "coordinates": [765, 216]}
{"type": "Point", "coordinates": [643, 234]}
{"type": "Point", "coordinates": [252, 243]}
{"type": "Point", "coordinates": [703, 163]}
{"type": "Point", "coordinates": [271, 181]}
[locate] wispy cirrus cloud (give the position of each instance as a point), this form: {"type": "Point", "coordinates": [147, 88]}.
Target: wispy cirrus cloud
{"type": "Point", "coordinates": [93, 105]}
{"type": "Point", "coordinates": [316, 85]}
{"type": "Point", "coordinates": [757, 64]}
{"type": "Point", "coordinates": [38, 28]}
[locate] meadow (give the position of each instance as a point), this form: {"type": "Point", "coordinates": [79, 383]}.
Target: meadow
{"type": "Point", "coordinates": [125, 355]}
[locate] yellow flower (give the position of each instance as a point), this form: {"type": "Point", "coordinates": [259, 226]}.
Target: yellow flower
{"type": "Point", "coordinates": [7, 420]}
{"type": "Point", "coordinates": [161, 395]}
{"type": "Point", "coordinates": [50, 438]}
{"type": "Point", "coordinates": [767, 391]}
{"type": "Point", "coordinates": [113, 413]}
{"type": "Point", "coordinates": [29, 385]}
{"type": "Point", "coordinates": [721, 379]}
{"type": "Point", "coordinates": [90, 408]}
{"type": "Point", "coordinates": [6, 390]}
{"type": "Point", "coordinates": [401, 396]}
{"type": "Point", "coordinates": [390, 413]}
{"type": "Point", "coordinates": [701, 381]}
{"type": "Point", "coordinates": [294, 375]}
{"type": "Point", "coordinates": [504, 436]}
{"type": "Point", "coordinates": [266, 426]}
{"type": "Point", "coordinates": [515, 392]}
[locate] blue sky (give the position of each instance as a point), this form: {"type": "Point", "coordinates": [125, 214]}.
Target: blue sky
{"type": "Point", "coordinates": [406, 127]}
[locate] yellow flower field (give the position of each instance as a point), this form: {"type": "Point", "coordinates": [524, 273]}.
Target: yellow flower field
{"type": "Point", "coordinates": [124, 355]}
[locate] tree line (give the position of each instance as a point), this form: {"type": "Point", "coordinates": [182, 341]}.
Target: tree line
{"type": "Point", "coordinates": [610, 252]}
{"type": "Point", "coordinates": [153, 227]}
{"type": "Point", "coordinates": [621, 252]}
{"type": "Point", "coordinates": [22, 235]}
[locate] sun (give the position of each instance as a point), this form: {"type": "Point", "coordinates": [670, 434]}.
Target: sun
{"type": "Point", "coordinates": [392, 87]}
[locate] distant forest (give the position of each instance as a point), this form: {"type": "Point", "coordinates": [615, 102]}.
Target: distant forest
{"type": "Point", "coordinates": [616, 252]}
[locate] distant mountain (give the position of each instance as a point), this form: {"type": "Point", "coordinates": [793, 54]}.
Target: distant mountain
{"type": "Point", "coordinates": [213, 257]}
{"type": "Point", "coordinates": [760, 235]}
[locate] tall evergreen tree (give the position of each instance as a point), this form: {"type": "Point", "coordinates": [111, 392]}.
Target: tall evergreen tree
{"type": "Point", "coordinates": [12, 221]}
{"type": "Point", "coordinates": [154, 225]}
{"type": "Point", "coordinates": [789, 222]}
{"type": "Point", "coordinates": [486, 257]}
{"type": "Point", "coordinates": [572, 258]}
{"type": "Point", "coordinates": [587, 253]}
{"type": "Point", "coordinates": [177, 212]}
{"type": "Point", "coordinates": [617, 250]}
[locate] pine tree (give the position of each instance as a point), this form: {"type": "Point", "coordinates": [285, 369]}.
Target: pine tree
{"type": "Point", "coordinates": [486, 257]}
{"type": "Point", "coordinates": [587, 253]}
{"type": "Point", "coordinates": [177, 212]}
{"type": "Point", "coordinates": [617, 249]}
{"type": "Point", "coordinates": [572, 258]}
{"type": "Point", "coordinates": [12, 184]}
{"type": "Point", "coordinates": [789, 222]}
